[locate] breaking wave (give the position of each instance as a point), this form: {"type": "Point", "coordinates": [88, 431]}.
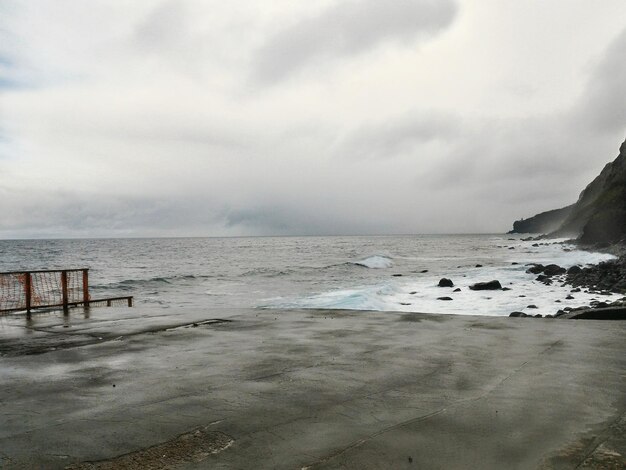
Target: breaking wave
{"type": "Point", "coordinates": [375, 262]}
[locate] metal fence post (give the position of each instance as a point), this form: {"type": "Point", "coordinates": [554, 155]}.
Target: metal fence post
{"type": "Point", "coordinates": [64, 290]}
{"type": "Point", "coordinates": [86, 287]}
{"type": "Point", "coordinates": [28, 291]}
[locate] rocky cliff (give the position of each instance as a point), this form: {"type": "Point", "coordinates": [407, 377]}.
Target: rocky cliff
{"type": "Point", "coordinates": [545, 222]}
{"type": "Point", "coordinates": [599, 215]}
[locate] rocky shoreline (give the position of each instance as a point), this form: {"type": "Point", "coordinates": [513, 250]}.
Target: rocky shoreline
{"type": "Point", "coordinates": [605, 278]}
{"type": "Point", "coordinates": [599, 282]}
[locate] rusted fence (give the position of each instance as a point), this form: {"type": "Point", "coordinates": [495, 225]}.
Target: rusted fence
{"type": "Point", "coordinates": [28, 290]}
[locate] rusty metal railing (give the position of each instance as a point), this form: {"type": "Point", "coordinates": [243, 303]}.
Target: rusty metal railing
{"type": "Point", "coordinates": [28, 290]}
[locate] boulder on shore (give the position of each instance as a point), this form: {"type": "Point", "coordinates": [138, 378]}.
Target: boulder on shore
{"type": "Point", "coordinates": [535, 269]}
{"type": "Point", "coordinates": [574, 269]}
{"type": "Point", "coordinates": [490, 285]}
{"type": "Point", "coordinates": [553, 270]}
{"type": "Point", "coordinates": [607, 313]}
{"type": "Point", "coordinates": [518, 314]}
{"type": "Point", "coordinates": [444, 282]}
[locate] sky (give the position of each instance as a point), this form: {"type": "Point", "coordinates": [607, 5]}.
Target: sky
{"type": "Point", "coordinates": [250, 117]}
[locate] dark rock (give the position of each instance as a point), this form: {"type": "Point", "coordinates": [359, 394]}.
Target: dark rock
{"type": "Point", "coordinates": [518, 315]}
{"type": "Point", "coordinates": [535, 269]}
{"type": "Point", "coordinates": [424, 271]}
{"type": "Point", "coordinates": [458, 289]}
{"type": "Point", "coordinates": [553, 270]}
{"type": "Point", "coordinates": [610, 313]}
{"type": "Point", "coordinates": [491, 285]}
{"type": "Point", "coordinates": [514, 263]}
{"type": "Point", "coordinates": [396, 275]}
{"type": "Point", "coordinates": [444, 298]}
{"type": "Point", "coordinates": [506, 288]}
{"type": "Point", "coordinates": [413, 292]}
{"type": "Point", "coordinates": [535, 244]}
{"type": "Point", "coordinates": [531, 306]}
{"type": "Point", "coordinates": [557, 301]}
{"type": "Point", "coordinates": [405, 303]}
{"type": "Point", "coordinates": [479, 266]}
{"type": "Point", "coordinates": [444, 282]}
{"type": "Point", "coordinates": [569, 297]}
{"type": "Point", "coordinates": [544, 279]}
{"type": "Point", "coordinates": [539, 315]}
{"type": "Point", "coordinates": [511, 248]}
{"type": "Point", "coordinates": [576, 290]}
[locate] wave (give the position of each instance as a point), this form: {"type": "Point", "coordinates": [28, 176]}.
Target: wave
{"type": "Point", "coordinates": [375, 262]}
{"type": "Point", "coordinates": [128, 284]}
{"type": "Point", "coordinates": [359, 298]}
{"type": "Point", "coordinates": [266, 272]}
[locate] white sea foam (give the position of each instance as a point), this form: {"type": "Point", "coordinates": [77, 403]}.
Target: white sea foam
{"type": "Point", "coordinates": [376, 262]}
{"type": "Point", "coordinates": [419, 292]}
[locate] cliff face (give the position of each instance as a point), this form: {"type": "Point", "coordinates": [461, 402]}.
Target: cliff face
{"type": "Point", "coordinates": [545, 222]}
{"type": "Point", "coordinates": [599, 215]}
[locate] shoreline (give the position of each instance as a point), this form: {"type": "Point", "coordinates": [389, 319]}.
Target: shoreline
{"type": "Point", "coordinates": [603, 278]}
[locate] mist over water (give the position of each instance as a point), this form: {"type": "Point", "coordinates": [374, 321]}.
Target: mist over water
{"type": "Point", "coordinates": [389, 273]}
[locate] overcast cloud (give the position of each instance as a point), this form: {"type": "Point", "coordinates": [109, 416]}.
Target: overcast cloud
{"type": "Point", "coordinates": [347, 28]}
{"type": "Point", "coordinates": [195, 117]}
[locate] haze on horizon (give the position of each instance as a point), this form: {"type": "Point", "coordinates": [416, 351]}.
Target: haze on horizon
{"type": "Point", "coordinates": [206, 118]}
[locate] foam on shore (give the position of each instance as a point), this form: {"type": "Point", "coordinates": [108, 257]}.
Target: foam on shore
{"type": "Point", "coordinates": [418, 292]}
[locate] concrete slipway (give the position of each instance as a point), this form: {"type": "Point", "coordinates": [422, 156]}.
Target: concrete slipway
{"type": "Point", "coordinates": [141, 388]}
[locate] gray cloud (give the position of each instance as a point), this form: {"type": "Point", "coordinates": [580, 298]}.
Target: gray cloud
{"type": "Point", "coordinates": [164, 28]}
{"type": "Point", "coordinates": [398, 137]}
{"type": "Point", "coordinates": [157, 132]}
{"type": "Point", "coordinates": [348, 28]}
{"type": "Point", "coordinates": [38, 212]}
{"type": "Point", "coordinates": [603, 106]}
{"type": "Point", "coordinates": [511, 167]}
{"type": "Point", "coordinates": [291, 218]}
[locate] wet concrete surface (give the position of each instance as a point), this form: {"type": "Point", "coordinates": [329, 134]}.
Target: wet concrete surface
{"type": "Point", "coordinates": [143, 388]}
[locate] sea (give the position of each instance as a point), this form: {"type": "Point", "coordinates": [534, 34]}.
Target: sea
{"type": "Point", "coordinates": [384, 273]}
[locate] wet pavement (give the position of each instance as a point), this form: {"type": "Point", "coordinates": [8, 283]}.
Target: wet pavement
{"type": "Point", "coordinates": [192, 388]}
